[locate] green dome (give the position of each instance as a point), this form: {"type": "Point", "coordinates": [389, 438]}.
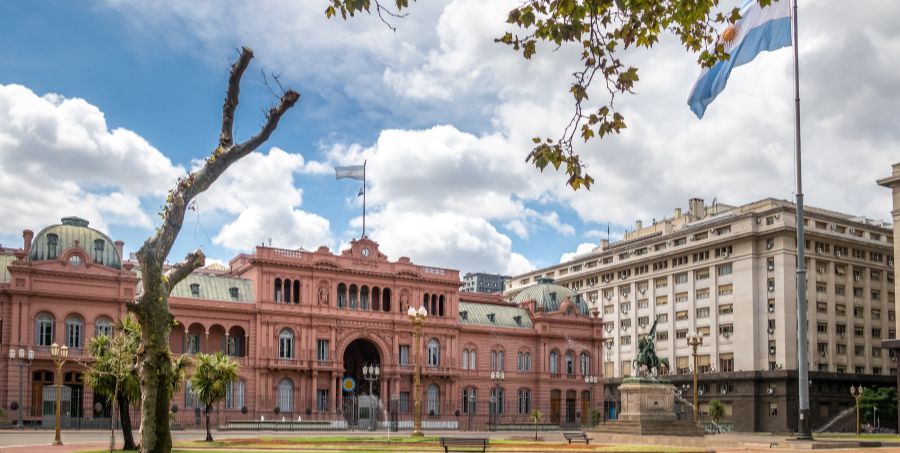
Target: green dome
{"type": "Point", "coordinates": [52, 241]}
{"type": "Point", "coordinates": [548, 296]}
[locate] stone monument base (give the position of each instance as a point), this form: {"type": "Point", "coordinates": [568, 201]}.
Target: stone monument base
{"type": "Point", "coordinates": [648, 407]}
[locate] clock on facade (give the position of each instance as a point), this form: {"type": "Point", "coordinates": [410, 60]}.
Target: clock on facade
{"type": "Point", "coordinates": [365, 252]}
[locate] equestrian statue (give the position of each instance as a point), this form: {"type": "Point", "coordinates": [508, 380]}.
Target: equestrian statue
{"type": "Point", "coordinates": [646, 363]}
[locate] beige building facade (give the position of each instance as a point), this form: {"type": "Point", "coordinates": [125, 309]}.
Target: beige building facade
{"type": "Point", "coordinates": [729, 273]}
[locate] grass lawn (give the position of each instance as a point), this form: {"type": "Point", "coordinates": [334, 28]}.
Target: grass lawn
{"type": "Point", "coordinates": [863, 437]}
{"type": "Point", "coordinates": [395, 444]}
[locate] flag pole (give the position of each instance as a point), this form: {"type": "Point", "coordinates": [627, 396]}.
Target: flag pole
{"type": "Point", "coordinates": [803, 431]}
{"type": "Point", "coordinates": [364, 198]}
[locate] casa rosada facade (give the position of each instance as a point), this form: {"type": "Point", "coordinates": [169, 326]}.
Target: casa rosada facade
{"type": "Point", "coordinates": [302, 325]}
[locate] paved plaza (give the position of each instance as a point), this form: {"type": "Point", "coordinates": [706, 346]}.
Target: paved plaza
{"type": "Point", "coordinates": [40, 440]}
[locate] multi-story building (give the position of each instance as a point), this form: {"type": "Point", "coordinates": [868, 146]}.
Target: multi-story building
{"type": "Point", "coordinates": [301, 325]}
{"type": "Point", "coordinates": [728, 272]}
{"type": "Point", "coordinates": [480, 282]}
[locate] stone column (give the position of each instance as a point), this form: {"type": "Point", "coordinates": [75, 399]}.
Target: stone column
{"type": "Point", "coordinates": [893, 182]}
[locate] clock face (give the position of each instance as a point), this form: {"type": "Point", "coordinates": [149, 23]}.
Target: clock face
{"type": "Point", "coordinates": [365, 252]}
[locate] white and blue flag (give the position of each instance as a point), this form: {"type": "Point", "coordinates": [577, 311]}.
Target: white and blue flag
{"type": "Point", "coordinates": [758, 30]}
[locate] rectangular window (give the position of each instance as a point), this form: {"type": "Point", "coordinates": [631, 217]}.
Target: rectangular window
{"type": "Point", "coordinates": [193, 344]}
{"type": "Point", "coordinates": [322, 350]}
{"type": "Point", "coordinates": [404, 354]}
{"type": "Point", "coordinates": [702, 293]}
{"type": "Point", "coordinates": [726, 330]}
{"type": "Point", "coordinates": [681, 297]}
{"type": "Point", "coordinates": [662, 336]}
{"type": "Point", "coordinates": [322, 400]}
{"type": "Point", "coordinates": [726, 290]}
{"type": "Point", "coordinates": [403, 403]}
{"type": "Point", "coordinates": [681, 278]}
{"type": "Point", "coordinates": [724, 269]}
{"type": "Point", "coordinates": [701, 274]}
{"type": "Point", "coordinates": [702, 312]}
{"type": "Point", "coordinates": [662, 300]}
{"type": "Point", "coordinates": [726, 309]}
{"type": "Point", "coordinates": [681, 315]}
{"type": "Point", "coordinates": [681, 334]}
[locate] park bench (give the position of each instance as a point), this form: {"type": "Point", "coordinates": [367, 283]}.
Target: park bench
{"type": "Point", "coordinates": [577, 437]}
{"type": "Point", "coordinates": [464, 444]}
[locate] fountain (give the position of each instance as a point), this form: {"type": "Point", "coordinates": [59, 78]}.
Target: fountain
{"type": "Point", "coordinates": [648, 403]}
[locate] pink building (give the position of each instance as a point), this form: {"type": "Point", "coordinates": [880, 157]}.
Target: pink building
{"type": "Point", "coordinates": [303, 325]}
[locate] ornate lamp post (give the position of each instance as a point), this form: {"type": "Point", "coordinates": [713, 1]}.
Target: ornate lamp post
{"type": "Point", "coordinates": [370, 374]}
{"type": "Point", "coordinates": [417, 318]}
{"type": "Point", "coordinates": [23, 361]}
{"type": "Point", "coordinates": [497, 377]}
{"type": "Point", "coordinates": [695, 339]}
{"type": "Point", "coordinates": [590, 381]}
{"type": "Point", "coordinates": [856, 393]}
{"type": "Point", "coordinates": [59, 355]}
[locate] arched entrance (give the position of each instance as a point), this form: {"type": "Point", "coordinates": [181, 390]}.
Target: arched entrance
{"type": "Point", "coordinates": [359, 408]}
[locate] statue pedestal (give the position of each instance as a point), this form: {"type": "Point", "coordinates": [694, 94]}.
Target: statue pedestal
{"type": "Point", "coordinates": [648, 407]}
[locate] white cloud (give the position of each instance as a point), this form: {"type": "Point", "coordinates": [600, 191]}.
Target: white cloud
{"type": "Point", "coordinates": [259, 189]}
{"type": "Point", "coordinates": [58, 157]}
{"type": "Point", "coordinates": [442, 67]}
{"type": "Point", "coordinates": [584, 247]}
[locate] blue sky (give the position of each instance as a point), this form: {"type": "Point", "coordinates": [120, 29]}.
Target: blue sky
{"type": "Point", "coordinates": [443, 115]}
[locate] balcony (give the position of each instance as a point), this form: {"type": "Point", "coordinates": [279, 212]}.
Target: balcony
{"type": "Point", "coordinates": [287, 364]}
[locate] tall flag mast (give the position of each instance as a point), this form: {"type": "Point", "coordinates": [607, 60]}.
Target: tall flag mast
{"type": "Point", "coordinates": [357, 172]}
{"type": "Point", "coordinates": [758, 30]}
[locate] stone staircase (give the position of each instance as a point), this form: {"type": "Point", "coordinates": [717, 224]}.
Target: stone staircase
{"type": "Point", "coordinates": [635, 427]}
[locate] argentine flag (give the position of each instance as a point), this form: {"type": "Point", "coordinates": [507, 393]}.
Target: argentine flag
{"type": "Point", "coordinates": [758, 29]}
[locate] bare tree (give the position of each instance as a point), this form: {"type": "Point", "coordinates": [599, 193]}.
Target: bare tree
{"type": "Point", "coordinates": [151, 307]}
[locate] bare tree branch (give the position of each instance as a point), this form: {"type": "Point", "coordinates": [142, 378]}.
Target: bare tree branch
{"type": "Point", "coordinates": [231, 96]}
{"type": "Point", "coordinates": [194, 260]}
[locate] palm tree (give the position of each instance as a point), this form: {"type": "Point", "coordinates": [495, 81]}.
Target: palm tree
{"type": "Point", "coordinates": [211, 378]}
{"type": "Point", "coordinates": [112, 372]}
{"type": "Point", "coordinates": [716, 412]}
{"type": "Point", "coordinates": [536, 416]}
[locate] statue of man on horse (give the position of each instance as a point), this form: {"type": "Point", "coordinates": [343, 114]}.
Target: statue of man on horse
{"type": "Point", "coordinates": [646, 363]}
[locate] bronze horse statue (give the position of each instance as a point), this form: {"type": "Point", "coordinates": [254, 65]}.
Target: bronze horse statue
{"type": "Point", "coordinates": [646, 363]}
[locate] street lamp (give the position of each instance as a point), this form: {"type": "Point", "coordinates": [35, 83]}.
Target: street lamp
{"type": "Point", "coordinates": [24, 360]}
{"type": "Point", "coordinates": [856, 393]}
{"type": "Point", "coordinates": [417, 318]}
{"type": "Point", "coordinates": [496, 377]}
{"type": "Point", "coordinates": [370, 374]}
{"type": "Point", "coordinates": [590, 381]}
{"type": "Point", "coordinates": [695, 339]}
{"type": "Point", "coordinates": [59, 355]}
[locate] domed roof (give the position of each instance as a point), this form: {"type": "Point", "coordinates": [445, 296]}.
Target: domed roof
{"type": "Point", "coordinates": [548, 296]}
{"type": "Point", "coordinates": [50, 243]}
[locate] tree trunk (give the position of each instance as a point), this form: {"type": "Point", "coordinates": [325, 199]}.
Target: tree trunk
{"type": "Point", "coordinates": [125, 418]}
{"type": "Point", "coordinates": [208, 433]}
{"type": "Point", "coordinates": [152, 307]}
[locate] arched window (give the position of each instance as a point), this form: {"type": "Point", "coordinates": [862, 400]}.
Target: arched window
{"type": "Point", "coordinates": [103, 326]}
{"type": "Point", "coordinates": [52, 242]}
{"type": "Point", "coordinates": [498, 398]}
{"type": "Point", "coordinates": [434, 352]}
{"type": "Point", "coordinates": [286, 395]}
{"type": "Point", "coordinates": [441, 306]}
{"type": "Point", "coordinates": [570, 363]}
{"type": "Point", "coordinates": [554, 362]}
{"type": "Point", "coordinates": [44, 330]}
{"type": "Point", "coordinates": [99, 245]}
{"type": "Point", "coordinates": [434, 400]}
{"type": "Point", "coordinates": [376, 299]}
{"type": "Point", "coordinates": [286, 344]}
{"type": "Point", "coordinates": [469, 399]}
{"type": "Point", "coordinates": [296, 291]}
{"type": "Point", "coordinates": [364, 298]}
{"type": "Point", "coordinates": [386, 299]}
{"type": "Point", "coordinates": [585, 364]}
{"type": "Point", "coordinates": [426, 302]}
{"type": "Point", "coordinates": [473, 365]}
{"type": "Point", "coordinates": [74, 331]}
{"type": "Point", "coordinates": [277, 295]}
{"type": "Point", "coordinates": [354, 294]}
{"type": "Point", "coordinates": [524, 401]}
{"type": "Point", "coordinates": [465, 359]}
{"type": "Point", "coordinates": [434, 307]}
{"type": "Point", "coordinates": [341, 295]}
{"type": "Point", "coordinates": [287, 291]}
